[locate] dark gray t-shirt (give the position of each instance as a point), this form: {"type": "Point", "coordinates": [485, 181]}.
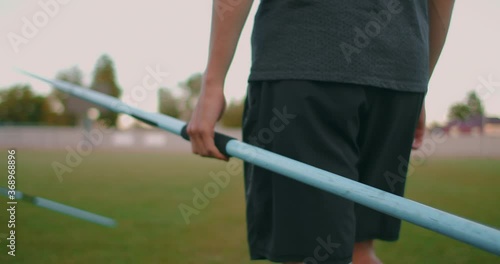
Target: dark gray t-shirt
{"type": "Point", "coordinates": [382, 43]}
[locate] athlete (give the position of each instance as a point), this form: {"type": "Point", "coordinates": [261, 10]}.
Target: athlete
{"type": "Point", "coordinates": [339, 85]}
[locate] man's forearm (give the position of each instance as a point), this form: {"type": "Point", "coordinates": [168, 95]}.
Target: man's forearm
{"type": "Point", "coordinates": [439, 22]}
{"type": "Point", "coordinates": [228, 19]}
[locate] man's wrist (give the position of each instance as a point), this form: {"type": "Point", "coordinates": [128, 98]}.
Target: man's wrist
{"type": "Point", "coordinates": [213, 83]}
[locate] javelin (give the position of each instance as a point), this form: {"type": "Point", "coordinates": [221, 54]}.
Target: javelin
{"type": "Point", "coordinates": [475, 234]}
{"type": "Point", "coordinates": [58, 207]}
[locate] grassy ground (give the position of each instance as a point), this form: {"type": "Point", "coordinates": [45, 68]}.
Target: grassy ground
{"type": "Point", "coordinates": [143, 191]}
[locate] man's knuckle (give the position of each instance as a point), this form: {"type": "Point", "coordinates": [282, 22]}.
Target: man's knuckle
{"type": "Point", "coordinates": [194, 131]}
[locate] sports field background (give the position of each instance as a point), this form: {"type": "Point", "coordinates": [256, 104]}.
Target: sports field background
{"type": "Point", "coordinates": [142, 191]}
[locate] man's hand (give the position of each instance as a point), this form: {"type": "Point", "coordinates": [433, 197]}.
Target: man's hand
{"type": "Point", "coordinates": [224, 36]}
{"type": "Point", "coordinates": [208, 111]}
{"type": "Point", "coordinates": [420, 131]}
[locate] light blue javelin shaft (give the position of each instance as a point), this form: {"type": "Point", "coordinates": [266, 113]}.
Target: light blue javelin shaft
{"type": "Point", "coordinates": [459, 228]}
{"type": "Point", "coordinates": [61, 208]}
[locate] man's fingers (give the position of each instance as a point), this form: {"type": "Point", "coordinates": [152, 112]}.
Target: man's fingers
{"type": "Point", "coordinates": [195, 140]}
{"type": "Point", "coordinates": [196, 144]}
{"type": "Point", "coordinates": [211, 149]}
{"type": "Point", "coordinates": [418, 140]}
{"type": "Point", "coordinates": [202, 143]}
{"type": "Point", "coordinates": [417, 143]}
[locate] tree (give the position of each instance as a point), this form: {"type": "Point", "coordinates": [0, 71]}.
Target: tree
{"type": "Point", "coordinates": [19, 104]}
{"type": "Point", "coordinates": [233, 115]}
{"type": "Point", "coordinates": [475, 105]}
{"type": "Point", "coordinates": [192, 89]}
{"type": "Point", "coordinates": [472, 107]}
{"type": "Point", "coordinates": [434, 125]}
{"type": "Point", "coordinates": [73, 110]}
{"type": "Point", "coordinates": [168, 104]}
{"type": "Point", "coordinates": [104, 82]}
{"type": "Point", "coordinates": [459, 111]}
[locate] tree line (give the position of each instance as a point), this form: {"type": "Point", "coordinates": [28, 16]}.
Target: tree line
{"type": "Point", "coordinates": [19, 105]}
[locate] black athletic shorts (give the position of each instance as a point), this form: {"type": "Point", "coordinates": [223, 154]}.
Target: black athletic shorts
{"type": "Point", "coordinates": [360, 132]}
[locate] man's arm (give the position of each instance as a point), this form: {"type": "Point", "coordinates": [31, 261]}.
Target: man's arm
{"type": "Point", "coordinates": [439, 22]}
{"type": "Point", "coordinates": [228, 19]}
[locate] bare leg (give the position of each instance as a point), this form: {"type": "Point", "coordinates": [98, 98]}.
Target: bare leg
{"type": "Point", "coordinates": [364, 253]}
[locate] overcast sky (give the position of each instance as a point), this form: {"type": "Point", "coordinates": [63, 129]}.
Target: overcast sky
{"type": "Point", "coordinates": [173, 35]}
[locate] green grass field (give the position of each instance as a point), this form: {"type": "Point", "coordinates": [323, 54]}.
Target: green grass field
{"type": "Point", "coordinates": [142, 192]}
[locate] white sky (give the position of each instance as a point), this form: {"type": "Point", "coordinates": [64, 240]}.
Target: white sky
{"type": "Point", "coordinates": [175, 34]}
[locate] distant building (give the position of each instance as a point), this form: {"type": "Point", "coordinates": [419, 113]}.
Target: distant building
{"type": "Point", "coordinates": [474, 125]}
{"type": "Point", "coordinates": [492, 126]}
